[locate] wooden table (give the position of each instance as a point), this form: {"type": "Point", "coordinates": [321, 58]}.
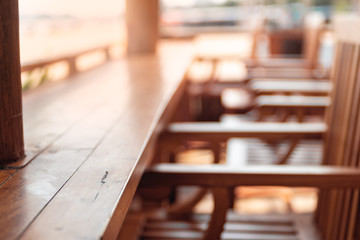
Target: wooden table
{"type": "Point", "coordinates": [88, 141]}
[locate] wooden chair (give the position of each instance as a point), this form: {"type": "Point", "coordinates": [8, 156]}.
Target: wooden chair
{"type": "Point", "coordinates": [273, 67]}
{"type": "Point", "coordinates": [337, 215]}
{"type": "Point", "coordinates": [296, 98]}
{"type": "Point", "coordinates": [314, 24]}
{"type": "Point", "coordinates": [283, 107]}
{"type": "Point", "coordinates": [218, 132]}
{"type": "Point", "coordinates": [280, 100]}
{"type": "Point", "coordinates": [267, 105]}
{"type": "Point", "coordinates": [228, 225]}
{"type": "Point", "coordinates": [211, 86]}
{"type": "Point", "coordinates": [221, 93]}
{"type": "Point", "coordinates": [216, 98]}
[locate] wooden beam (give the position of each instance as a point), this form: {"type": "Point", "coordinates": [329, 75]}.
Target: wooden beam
{"type": "Point", "coordinates": [11, 126]}
{"type": "Point", "coordinates": [142, 26]}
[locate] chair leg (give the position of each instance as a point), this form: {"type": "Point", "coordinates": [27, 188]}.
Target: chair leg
{"type": "Point", "coordinates": [172, 196]}
{"type": "Point", "coordinates": [218, 217]}
{"type": "Point", "coordinates": [185, 208]}
{"type": "Point", "coordinates": [282, 159]}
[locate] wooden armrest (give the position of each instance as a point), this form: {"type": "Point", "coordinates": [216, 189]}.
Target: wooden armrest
{"type": "Point", "coordinates": [287, 72]}
{"type": "Point", "coordinates": [278, 62]}
{"type": "Point", "coordinates": [215, 88]}
{"type": "Point", "coordinates": [267, 175]}
{"type": "Point", "coordinates": [289, 80]}
{"type": "Point", "coordinates": [292, 101]}
{"type": "Point", "coordinates": [221, 132]}
{"type": "Point", "coordinates": [291, 86]}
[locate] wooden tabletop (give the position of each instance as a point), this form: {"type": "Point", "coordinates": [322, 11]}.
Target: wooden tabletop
{"type": "Point", "coordinates": [88, 141]}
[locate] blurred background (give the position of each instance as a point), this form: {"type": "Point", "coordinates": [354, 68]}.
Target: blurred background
{"type": "Point", "coordinates": [56, 28]}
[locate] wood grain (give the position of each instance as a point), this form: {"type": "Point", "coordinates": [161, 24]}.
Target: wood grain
{"type": "Point", "coordinates": [104, 126]}
{"type": "Point", "coordinates": [11, 123]}
{"type": "Point", "coordinates": [28, 191]}
{"type": "Point", "coordinates": [5, 175]}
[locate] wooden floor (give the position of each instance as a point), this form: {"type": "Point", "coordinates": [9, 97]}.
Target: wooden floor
{"type": "Point", "coordinates": [88, 139]}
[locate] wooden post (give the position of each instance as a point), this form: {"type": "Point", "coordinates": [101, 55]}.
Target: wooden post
{"type": "Point", "coordinates": [142, 26]}
{"type": "Point", "coordinates": [11, 125]}
{"type": "Point", "coordinates": [72, 66]}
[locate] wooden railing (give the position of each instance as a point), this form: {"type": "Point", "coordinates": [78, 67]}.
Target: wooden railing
{"type": "Point", "coordinates": [70, 61]}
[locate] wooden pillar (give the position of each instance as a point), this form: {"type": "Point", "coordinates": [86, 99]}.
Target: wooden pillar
{"type": "Point", "coordinates": [11, 125]}
{"type": "Point", "coordinates": [142, 25]}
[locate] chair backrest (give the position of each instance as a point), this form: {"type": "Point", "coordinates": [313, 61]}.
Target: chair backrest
{"type": "Point", "coordinates": [337, 210]}
{"type": "Point", "coordinates": [314, 26]}
{"type": "Point", "coordinates": [314, 23]}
